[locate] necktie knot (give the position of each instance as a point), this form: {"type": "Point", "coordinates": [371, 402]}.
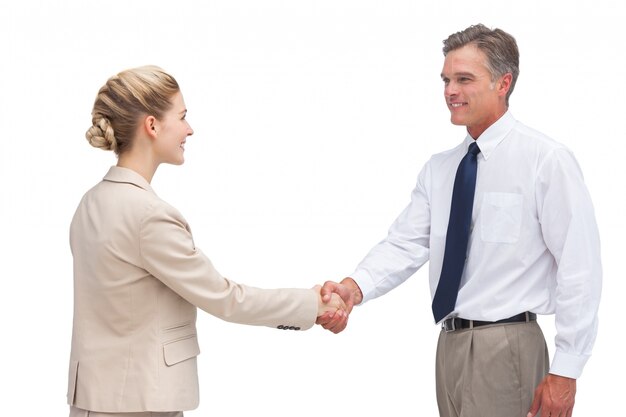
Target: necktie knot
{"type": "Point", "coordinates": [473, 149]}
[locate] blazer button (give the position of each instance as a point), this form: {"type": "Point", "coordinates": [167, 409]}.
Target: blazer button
{"type": "Point", "coordinates": [297, 328]}
{"type": "Point", "coordinates": [280, 326]}
{"type": "Point", "coordinates": [292, 328]}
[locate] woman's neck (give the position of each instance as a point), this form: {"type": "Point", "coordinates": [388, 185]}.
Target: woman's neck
{"type": "Point", "coordinates": [141, 163]}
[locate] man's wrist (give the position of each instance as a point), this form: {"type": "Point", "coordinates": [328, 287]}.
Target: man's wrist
{"type": "Point", "coordinates": [354, 287]}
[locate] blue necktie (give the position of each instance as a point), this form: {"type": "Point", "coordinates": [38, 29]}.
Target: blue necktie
{"type": "Point", "coordinates": [457, 235]}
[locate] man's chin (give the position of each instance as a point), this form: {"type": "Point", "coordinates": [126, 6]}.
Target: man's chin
{"type": "Point", "coordinates": [456, 121]}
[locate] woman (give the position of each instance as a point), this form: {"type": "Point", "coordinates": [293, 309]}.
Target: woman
{"type": "Point", "coordinates": [138, 276]}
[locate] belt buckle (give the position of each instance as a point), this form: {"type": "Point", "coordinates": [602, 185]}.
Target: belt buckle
{"type": "Point", "coordinates": [449, 325]}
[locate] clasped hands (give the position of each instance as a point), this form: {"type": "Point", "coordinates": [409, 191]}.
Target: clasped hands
{"type": "Point", "coordinates": [335, 303]}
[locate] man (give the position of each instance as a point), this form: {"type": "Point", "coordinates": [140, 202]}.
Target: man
{"type": "Point", "coordinates": [508, 226]}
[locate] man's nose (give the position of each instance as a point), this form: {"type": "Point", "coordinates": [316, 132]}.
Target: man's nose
{"type": "Point", "coordinates": [450, 89]}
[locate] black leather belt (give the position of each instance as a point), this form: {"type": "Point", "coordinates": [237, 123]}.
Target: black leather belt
{"type": "Point", "coordinates": [455, 323]}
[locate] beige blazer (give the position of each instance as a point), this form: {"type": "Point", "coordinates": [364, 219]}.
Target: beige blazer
{"type": "Point", "coordinates": [138, 278]}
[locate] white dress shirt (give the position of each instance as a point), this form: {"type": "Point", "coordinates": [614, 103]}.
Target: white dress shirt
{"type": "Point", "coordinates": [534, 244]}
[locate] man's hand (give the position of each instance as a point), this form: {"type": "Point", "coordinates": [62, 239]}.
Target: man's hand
{"type": "Point", "coordinates": [350, 293]}
{"type": "Point", "coordinates": [554, 397]}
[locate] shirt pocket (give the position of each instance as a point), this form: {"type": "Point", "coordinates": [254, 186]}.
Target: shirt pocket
{"type": "Point", "coordinates": [501, 217]}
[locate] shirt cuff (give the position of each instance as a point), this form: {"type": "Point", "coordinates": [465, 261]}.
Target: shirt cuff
{"type": "Point", "coordinates": [568, 365]}
{"type": "Point", "coordinates": [365, 283]}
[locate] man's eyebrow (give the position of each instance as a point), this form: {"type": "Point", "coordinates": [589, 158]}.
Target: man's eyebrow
{"type": "Point", "coordinates": [459, 74]}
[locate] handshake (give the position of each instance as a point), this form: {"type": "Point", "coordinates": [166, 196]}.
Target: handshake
{"type": "Point", "coordinates": [335, 303]}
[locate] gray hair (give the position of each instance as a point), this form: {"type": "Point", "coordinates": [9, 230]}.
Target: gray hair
{"type": "Point", "coordinates": [499, 47]}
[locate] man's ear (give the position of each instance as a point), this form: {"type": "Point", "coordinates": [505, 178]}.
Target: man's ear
{"type": "Point", "coordinates": [504, 84]}
{"type": "Point", "coordinates": [150, 126]}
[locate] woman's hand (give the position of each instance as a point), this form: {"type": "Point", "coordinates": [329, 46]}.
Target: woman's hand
{"type": "Point", "coordinates": [331, 308]}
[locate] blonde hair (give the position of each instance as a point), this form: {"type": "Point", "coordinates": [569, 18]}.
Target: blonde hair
{"type": "Point", "coordinates": [123, 100]}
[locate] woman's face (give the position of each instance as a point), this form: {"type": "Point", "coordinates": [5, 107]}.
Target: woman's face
{"type": "Point", "coordinates": [172, 131]}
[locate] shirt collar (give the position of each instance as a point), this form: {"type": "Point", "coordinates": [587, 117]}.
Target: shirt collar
{"type": "Point", "coordinates": [128, 176]}
{"type": "Point", "coordinates": [491, 138]}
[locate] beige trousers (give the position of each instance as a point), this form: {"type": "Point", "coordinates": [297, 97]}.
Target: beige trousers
{"type": "Point", "coordinates": [78, 412]}
{"type": "Point", "coordinates": [490, 371]}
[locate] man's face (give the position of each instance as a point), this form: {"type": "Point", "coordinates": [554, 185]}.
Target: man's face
{"type": "Point", "coordinates": [474, 100]}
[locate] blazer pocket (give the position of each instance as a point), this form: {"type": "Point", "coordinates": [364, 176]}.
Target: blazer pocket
{"type": "Point", "coordinates": [71, 382]}
{"type": "Point", "coordinates": [501, 217]}
{"type": "Point", "coordinates": [180, 350]}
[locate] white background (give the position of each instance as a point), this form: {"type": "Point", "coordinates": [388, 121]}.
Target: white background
{"type": "Point", "coordinates": [312, 120]}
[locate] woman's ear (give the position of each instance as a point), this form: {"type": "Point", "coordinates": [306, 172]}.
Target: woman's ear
{"type": "Point", "coordinates": [150, 126]}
